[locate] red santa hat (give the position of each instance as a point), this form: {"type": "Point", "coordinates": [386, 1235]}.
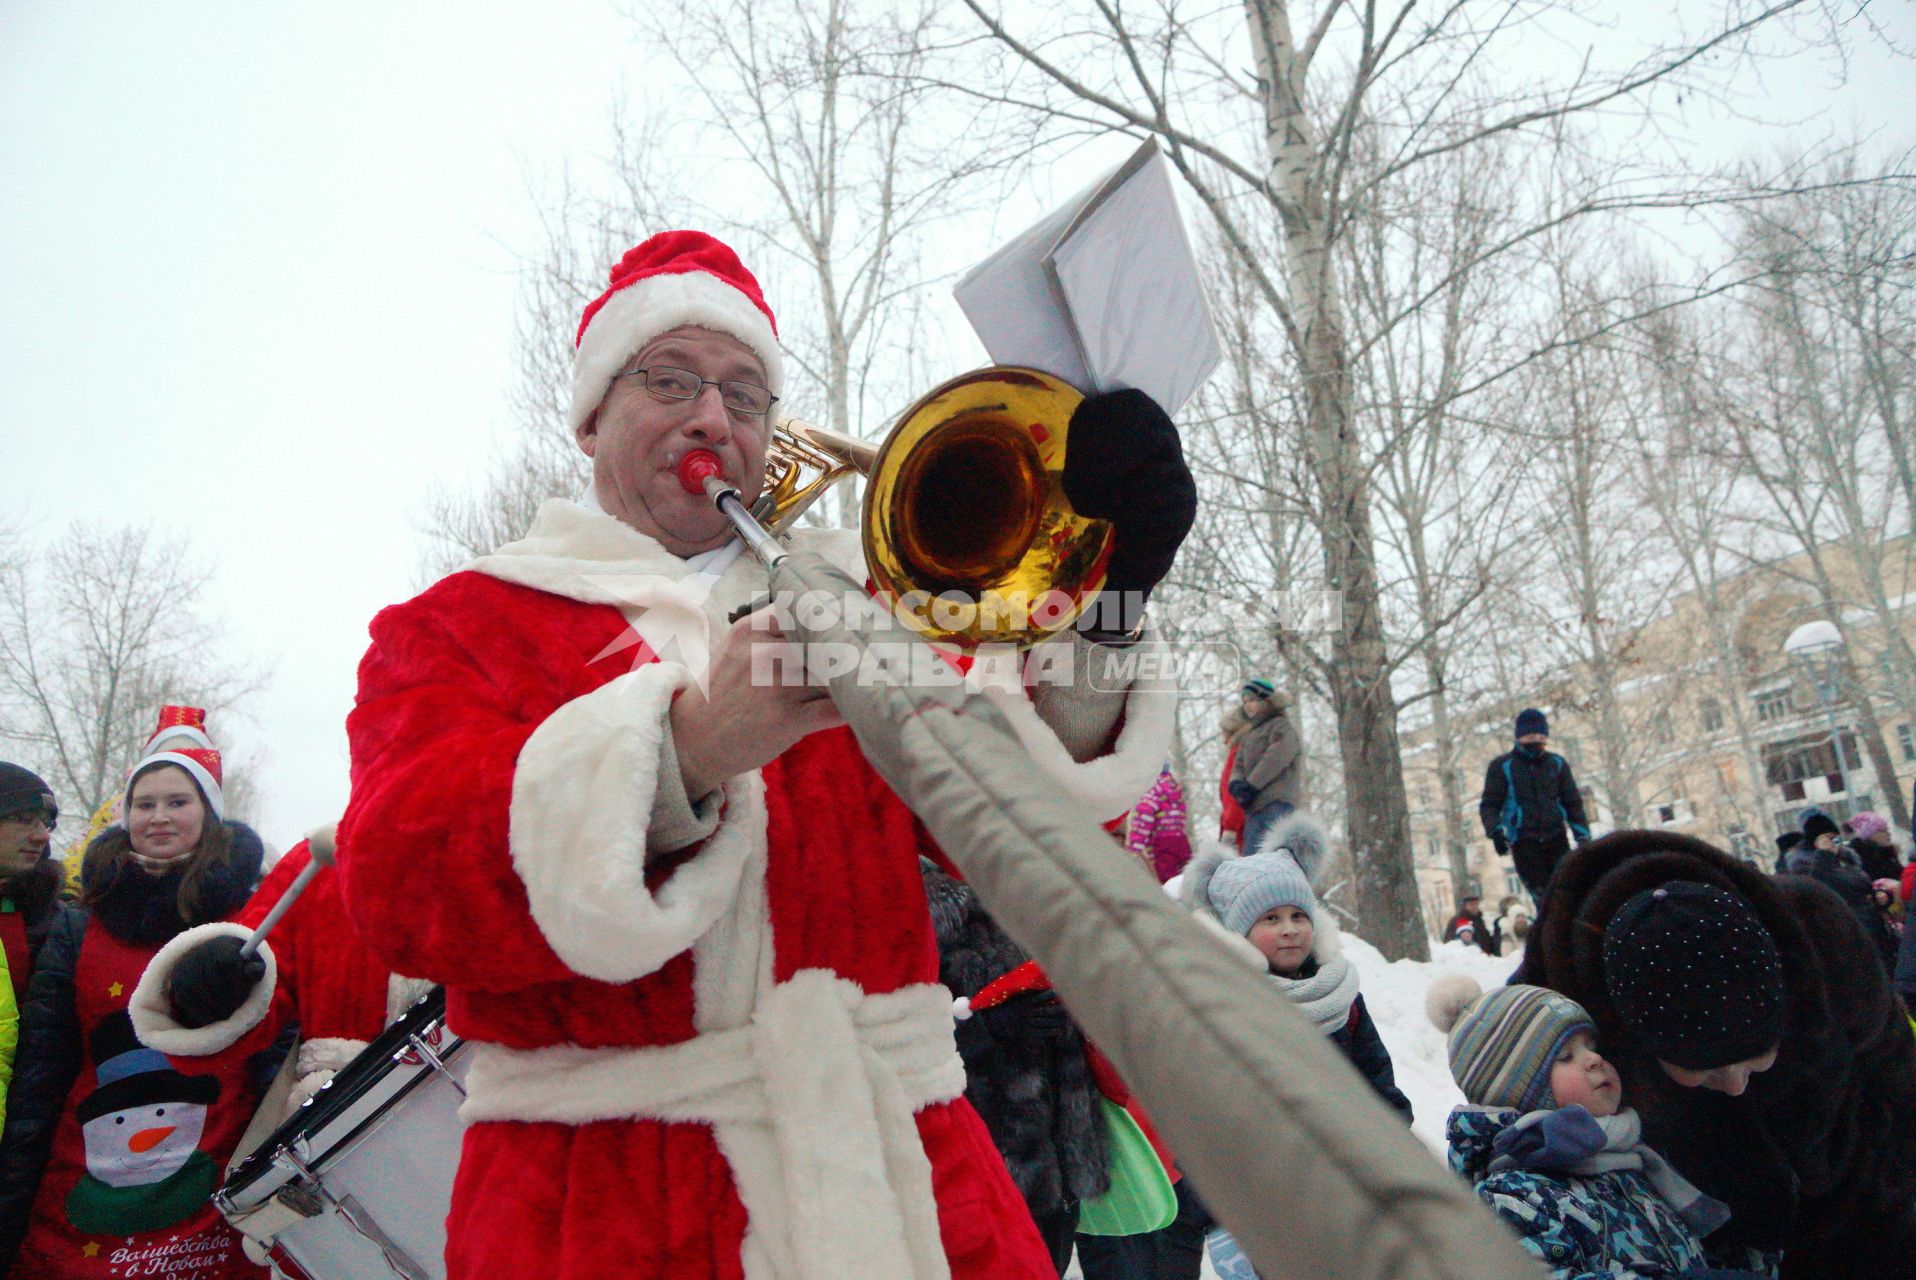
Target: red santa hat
{"type": "Point", "coordinates": [201, 763]}
{"type": "Point", "coordinates": [676, 278]}
{"type": "Point", "coordinates": [1025, 978]}
{"type": "Point", "coordinates": [180, 722]}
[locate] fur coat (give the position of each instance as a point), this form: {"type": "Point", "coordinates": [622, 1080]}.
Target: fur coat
{"type": "Point", "coordinates": [1821, 1149]}
{"type": "Point", "coordinates": [1025, 1068]}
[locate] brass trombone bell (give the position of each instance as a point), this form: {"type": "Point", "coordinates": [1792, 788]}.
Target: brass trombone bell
{"type": "Point", "coordinates": [966, 530]}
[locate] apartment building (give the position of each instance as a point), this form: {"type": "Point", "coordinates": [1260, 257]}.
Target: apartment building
{"type": "Point", "coordinates": [1716, 731]}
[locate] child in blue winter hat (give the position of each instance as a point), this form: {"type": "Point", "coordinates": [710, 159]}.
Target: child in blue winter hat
{"type": "Point", "coordinates": [1550, 1147]}
{"type": "Point", "coordinates": [1266, 900]}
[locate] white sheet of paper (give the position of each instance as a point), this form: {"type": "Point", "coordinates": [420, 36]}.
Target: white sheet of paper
{"type": "Point", "coordinates": [1103, 292]}
{"type": "Point", "coordinates": [1130, 283]}
{"type": "Point", "coordinates": [1014, 306]}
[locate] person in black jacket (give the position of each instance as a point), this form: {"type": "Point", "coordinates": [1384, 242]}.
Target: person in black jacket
{"type": "Point", "coordinates": [1812, 1142]}
{"type": "Point", "coordinates": [1530, 797]}
{"type": "Point", "coordinates": [1824, 858]}
{"type": "Point", "coordinates": [30, 877]}
{"type": "Point", "coordinates": [1869, 836]}
{"type": "Point", "coordinates": [1025, 1069]}
{"type": "Point", "coordinates": [1469, 923]}
{"type": "Point", "coordinates": [175, 865]}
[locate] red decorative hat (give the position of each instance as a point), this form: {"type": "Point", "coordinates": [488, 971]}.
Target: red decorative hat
{"type": "Point", "coordinates": [180, 722]}
{"type": "Point", "coordinates": [1026, 977]}
{"type": "Point", "coordinates": [675, 278]}
{"type": "Point", "coordinates": [201, 763]}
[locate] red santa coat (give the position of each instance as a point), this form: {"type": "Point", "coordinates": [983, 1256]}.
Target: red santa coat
{"type": "Point", "coordinates": [146, 1127]}
{"type": "Point", "coordinates": [737, 1063]}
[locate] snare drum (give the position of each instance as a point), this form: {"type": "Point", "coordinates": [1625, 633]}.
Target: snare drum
{"type": "Point", "coordinates": [357, 1183]}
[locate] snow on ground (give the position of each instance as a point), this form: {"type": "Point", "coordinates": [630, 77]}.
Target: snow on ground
{"type": "Point", "coordinates": [1395, 996]}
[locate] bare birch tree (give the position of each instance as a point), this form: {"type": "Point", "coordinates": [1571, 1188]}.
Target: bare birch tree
{"type": "Point", "coordinates": [1443, 481]}
{"type": "Point", "coordinates": [98, 630]}
{"type": "Point", "coordinates": [1173, 72]}
{"type": "Point", "coordinates": [1816, 416]}
{"type": "Point", "coordinates": [800, 134]}
{"type": "Point", "coordinates": [1693, 491]}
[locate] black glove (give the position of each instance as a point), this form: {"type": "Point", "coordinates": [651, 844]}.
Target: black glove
{"type": "Point", "coordinates": [212, 981]}
{"type": "Point", "coordinates": [1124, 464]}
{"type": "Point", "coordinates": [1501, 845]}
{"type": "Point", "coordinates": [1242, 792]}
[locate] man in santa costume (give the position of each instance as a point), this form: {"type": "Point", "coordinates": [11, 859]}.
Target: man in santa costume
{"type": "Point", "coordinates": [678, 913]}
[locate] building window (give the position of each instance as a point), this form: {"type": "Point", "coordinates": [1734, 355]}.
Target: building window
{"type": "Point", "coordinates": [1772, 704]}
{"type": "Point", "coordinates": [1812, 756]}
{"type": "Point", "coordinates": [1710, 711]}
{"type": "Point", "coordinates": [1660, 725]}
{"type": "Point", "coordinates": [1674, 812]}
{"type": "Point", "coordinates": [1907, 737]}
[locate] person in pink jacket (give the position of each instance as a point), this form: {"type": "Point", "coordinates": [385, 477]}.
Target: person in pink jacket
{"type": "Point", "coordinates": [1156, 831]}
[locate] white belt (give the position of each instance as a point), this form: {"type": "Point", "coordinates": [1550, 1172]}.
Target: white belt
{"type": "Point", "coordinates": [811, 1104]}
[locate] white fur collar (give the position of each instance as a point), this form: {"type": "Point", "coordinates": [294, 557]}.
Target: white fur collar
{"type": "Point", "coordinates": [583, 554]}
{"type": "Point", "coordinates": [574, 551]}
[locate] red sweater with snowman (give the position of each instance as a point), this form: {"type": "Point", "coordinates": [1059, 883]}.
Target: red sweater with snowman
{"type": "Point", "coordinates": [154, 1110]}
{"type": "Point", "coordinates": [736, 1062]}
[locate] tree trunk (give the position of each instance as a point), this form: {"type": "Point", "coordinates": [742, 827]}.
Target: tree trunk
{"type": "Point", "coordinates": [1450, 789]}
{"type": "Point", "coordinates": [1377, 820]}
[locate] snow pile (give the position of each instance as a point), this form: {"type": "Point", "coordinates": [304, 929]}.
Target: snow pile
{"type": "Point", "coordinates": [1395, 995]}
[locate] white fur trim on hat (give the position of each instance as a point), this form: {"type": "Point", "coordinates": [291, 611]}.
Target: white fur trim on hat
{"type": "Point", "coordinates": [656, 305]}
{"type": "Point", "coordinates": [197, 771]}
{"type": "Point", "coordinates": [151, 1007]}
{"type": "Point", "coordinates": [192, 733]}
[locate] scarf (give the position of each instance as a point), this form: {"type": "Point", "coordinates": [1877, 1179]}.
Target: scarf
{"type": "Point", "coordinates": [1326, 995]}
{"type": "Point", "coordinates": [1571, 1140]}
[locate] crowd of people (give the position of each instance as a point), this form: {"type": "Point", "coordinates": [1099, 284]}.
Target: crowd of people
{"type": "Point", "coordinates": [733, 1013]}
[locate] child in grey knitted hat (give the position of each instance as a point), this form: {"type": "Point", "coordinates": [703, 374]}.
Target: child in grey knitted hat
{"type": "Point", "coordinates": [1267, 901]}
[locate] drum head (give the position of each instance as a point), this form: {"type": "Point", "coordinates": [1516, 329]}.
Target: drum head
{"type": "Point", "coordinates": [332, 1117]}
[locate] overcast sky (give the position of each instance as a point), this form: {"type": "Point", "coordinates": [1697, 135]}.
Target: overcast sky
{"type": "Point", "coordinates": [257, 262]}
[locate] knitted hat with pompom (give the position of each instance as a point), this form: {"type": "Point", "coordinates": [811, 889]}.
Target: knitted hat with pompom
{"type": "Point", "coordinates": [1503, 1042]}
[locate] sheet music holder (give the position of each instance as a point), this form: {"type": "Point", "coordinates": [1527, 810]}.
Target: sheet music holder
{"type": "Point", "coordinates": [1104, 291]}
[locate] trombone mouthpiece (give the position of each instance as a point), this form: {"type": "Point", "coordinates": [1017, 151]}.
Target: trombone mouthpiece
{"type": "Point", "coordinates": [695, 466]}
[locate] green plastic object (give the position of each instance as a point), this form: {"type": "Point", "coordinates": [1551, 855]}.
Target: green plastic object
{"type": "Point", "coordinates": [1140, 1198]}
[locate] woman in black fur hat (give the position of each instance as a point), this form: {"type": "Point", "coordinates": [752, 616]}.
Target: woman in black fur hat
{"type": "Point", "coordinates": [1687, 959]}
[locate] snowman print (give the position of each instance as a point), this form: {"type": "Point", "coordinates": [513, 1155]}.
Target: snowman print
{"type": "Point", "coordinates": [141, 1128]}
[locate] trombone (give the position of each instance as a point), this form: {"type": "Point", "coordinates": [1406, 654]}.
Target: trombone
{"type": "Point", "coordinates": [966, 530]}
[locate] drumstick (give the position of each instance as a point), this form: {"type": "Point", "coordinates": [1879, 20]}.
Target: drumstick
{"type": "Point", "coordinates": [320, 845]}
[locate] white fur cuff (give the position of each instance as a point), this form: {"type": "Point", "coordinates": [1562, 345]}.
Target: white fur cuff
{"type": "Point", "coordinates": [1108, 786]}
{"type": "Point", "coordinates": [581, 800]}
{"type": "Point", "coordinates": [152, 1005]}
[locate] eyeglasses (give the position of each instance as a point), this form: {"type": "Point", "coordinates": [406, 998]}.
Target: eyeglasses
{"type": "Point", "coordinates": [668, 383]}
{"type": "Point", "coordinates": [39, 819]}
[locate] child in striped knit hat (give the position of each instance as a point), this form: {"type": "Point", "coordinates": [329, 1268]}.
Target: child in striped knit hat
{"type": "Point", "coordinates": [1546, 1140]}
